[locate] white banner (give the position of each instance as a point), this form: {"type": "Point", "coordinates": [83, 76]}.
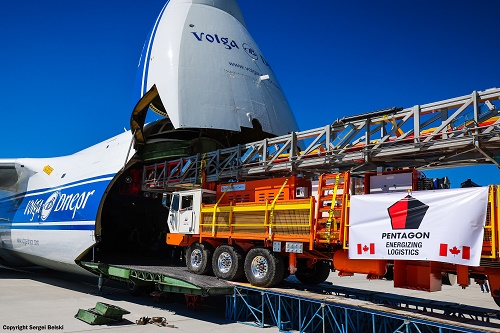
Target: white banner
{"type": "Point", "coordinates": [441, 225]}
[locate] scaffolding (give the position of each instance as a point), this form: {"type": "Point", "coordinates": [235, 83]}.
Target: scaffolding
{"type": "Point", "coordinates": [292, 310]}
{"type": "Point", "coordinates": [455, 132]}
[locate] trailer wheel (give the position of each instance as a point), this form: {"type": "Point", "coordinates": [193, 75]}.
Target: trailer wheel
{"type": "Point", "coordinates": [227, 262]}
{"type": "Point", "coordinates": [199, 258]}
{"type": "Point", "coordinates": [264, 268]}
{"type": "Point", "coordinates": [316, 274]}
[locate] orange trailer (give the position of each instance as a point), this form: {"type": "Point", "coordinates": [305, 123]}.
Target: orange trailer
{"type": "Point", "coordinates": [268, 229]}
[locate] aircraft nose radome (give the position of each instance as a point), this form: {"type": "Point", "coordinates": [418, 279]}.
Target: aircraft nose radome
{"type": "Point", "coordinates": [208, 72]}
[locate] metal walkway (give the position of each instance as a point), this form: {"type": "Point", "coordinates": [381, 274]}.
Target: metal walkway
{"type": "Point", "coordinates": [304, 308]}
{"type": "Point", "coordinates": [163, 278]}
{"type": "Point", "coordinates": [305, 311]}
{"type": "Point", "coordinates": [455, 132]}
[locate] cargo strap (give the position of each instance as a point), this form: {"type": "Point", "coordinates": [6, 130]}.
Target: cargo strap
{"type": "Point", "coordinates": [332, 208]}
{"type": "Point", "coordinates": [215, 209]}
{"type": "Point", "coordinates": [271, 215]}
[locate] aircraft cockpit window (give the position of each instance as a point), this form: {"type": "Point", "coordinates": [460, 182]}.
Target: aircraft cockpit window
{"type": "Point", "coordinates": [175, 203]}
{"type": "Point", "coordinates": [187, 202]}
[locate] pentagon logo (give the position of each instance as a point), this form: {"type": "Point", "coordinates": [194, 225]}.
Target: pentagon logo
{"type": "Point", "coordinates": [407, 213]}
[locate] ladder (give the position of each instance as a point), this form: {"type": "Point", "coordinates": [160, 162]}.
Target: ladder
{"type": "Point", "coordinates": [454, 132]}
{"type": "Point", "coordinates": [333, 191]}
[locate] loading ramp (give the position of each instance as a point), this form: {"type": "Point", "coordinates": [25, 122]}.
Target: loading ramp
{"type": "Point", "coordinates": [304, 308]}
{"type": "Point", "coordinates": [163, 278]}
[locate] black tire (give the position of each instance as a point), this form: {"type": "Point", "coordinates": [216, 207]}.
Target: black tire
{"type": "Point", "coordinates": [228, 262]}
{"type": "Point", "coordinates": [264, 268]}
{"type": "Point", "coordinates": [199, 258]}
{"type": "Point", "coordinates": [389, 274]}
{"type": "Point", "coordinates": [316, 274]}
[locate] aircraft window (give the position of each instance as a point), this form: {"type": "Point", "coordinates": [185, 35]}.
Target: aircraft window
{"type": "Point", "coordinates": [187, 202]}
{"type": "Point", "coordinates": [175, 203]}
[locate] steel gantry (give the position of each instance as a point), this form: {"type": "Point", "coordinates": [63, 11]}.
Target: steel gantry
{"type": "Point", "coordinates": [292, 310]}
{"type": "Point", "coordinates": [454, 132]}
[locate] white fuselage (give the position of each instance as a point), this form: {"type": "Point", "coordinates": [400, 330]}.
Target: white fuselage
{"type": "Point", "coordinates": [199, 65]}
{"type": "Point", "coordinates": [49, 214]}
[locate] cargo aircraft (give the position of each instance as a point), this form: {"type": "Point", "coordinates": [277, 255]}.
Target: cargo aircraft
{"type": "Point", "coordinates": [201, 70]}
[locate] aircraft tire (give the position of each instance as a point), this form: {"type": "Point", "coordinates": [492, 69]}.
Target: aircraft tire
{"type": "Point", "coordinates": [199, 258]}
{"type": "Point", "coordinates": [228, 262]}
{"type": "Point", "coordinates": [264, 268]}
{"type": "Point", "coordinates": [316, 274]}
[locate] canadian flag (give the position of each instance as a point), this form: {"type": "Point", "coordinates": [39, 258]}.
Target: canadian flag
{"type": "Point", "coordinates": [364, 248]}
{"type": "Point", "coordinates": [445, 248]}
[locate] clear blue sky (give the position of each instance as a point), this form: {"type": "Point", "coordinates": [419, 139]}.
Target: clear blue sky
{"type": "Point", "coordinates": [68, 67]}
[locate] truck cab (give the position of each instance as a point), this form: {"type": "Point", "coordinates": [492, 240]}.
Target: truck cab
{"type": "Point", "coordinates": [184, 210]}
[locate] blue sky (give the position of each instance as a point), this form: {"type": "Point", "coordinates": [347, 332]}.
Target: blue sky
{"type": "Point", "coordinates": [69, 66]}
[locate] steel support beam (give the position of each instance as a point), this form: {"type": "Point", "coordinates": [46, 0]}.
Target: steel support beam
{"type": "Point", "coordinates": [289, 312]}
{"type": "Point", "coordinates": [427, 134]}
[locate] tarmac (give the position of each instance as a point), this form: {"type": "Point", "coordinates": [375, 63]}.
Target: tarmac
{"type": "Point", "coordinates": [31, 300]}
{"type": "Point", "coordinates": [41, 300]}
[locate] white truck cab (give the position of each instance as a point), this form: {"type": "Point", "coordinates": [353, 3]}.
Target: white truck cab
{"type": "Point", "coordinates": [184, 210]}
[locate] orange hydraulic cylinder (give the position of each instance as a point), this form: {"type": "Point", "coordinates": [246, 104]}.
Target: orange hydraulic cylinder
{"type": "Point", "coordinates": [373, 267]}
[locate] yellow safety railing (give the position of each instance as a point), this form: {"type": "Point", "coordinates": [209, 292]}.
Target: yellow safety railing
{"type": "Point", "coordinates": [273, 204]}
{"type": "Point", "coordinates": [347, 204]}
{"type": "Point", "coordinates": [215, 208]}
{"type": "Point", "coordinates": [332, 209]}
{"type": "Point", "coordinates": [258, 229]}
{"type": "Point", "coordinates": [491, 236]}
{"type": "Point", "coordinates": [495, 231]}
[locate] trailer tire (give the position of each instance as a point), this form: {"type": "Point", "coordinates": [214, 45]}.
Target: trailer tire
{"type": "Point", "coordinates": [316, 274]}
{"type": "Point", "coordinates": [228, 262]}
{"type": "Point", "coordinates": [199, 258]}
{"type": "Point", "coordinates": [264, 268]}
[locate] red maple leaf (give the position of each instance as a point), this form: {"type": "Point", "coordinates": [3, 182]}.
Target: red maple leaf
{"type": "Point", "coordinates": [365, 248]}
{"type": "Point", "coordinates": [454, 250]}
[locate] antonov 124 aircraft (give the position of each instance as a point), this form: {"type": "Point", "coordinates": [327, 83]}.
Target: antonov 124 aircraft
{"type": "Point", "coordinates": [203, 72]}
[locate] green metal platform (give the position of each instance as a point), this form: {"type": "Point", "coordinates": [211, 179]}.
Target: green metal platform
{"type": "Point", "coordinates": [102, 314]}
{"type": "Point", "coordinates": [164, 278]}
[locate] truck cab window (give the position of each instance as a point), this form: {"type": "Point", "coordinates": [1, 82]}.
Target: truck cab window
{"type": "Point", "coordinates": [165, 199]}
{"type": "Point", "coordinates": [187, 202]}
{"type": "Point", "coordinates": [175, 203]}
